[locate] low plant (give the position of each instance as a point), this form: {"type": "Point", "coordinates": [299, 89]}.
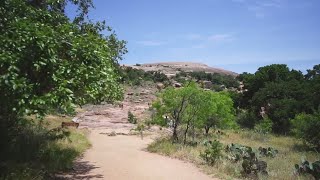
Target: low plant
{"type": "Point", "coordinates": [306, 127]}
{"type": "Point", "coordinates": [213, 152]}
{"type": "Point", "coordinates": [308, 168]}
{"type": "Point", "coordinates": [264, 127]}
{"type": "Point", "coordinates": [268, 152]}
{"type": "Point", "coordinates": [131, 118]}
{"type": "Point", "coordinates": [237, 151]}
{"type": "Point", "coordinates": [252, 166]}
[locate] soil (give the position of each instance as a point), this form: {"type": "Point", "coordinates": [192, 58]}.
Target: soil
{"type": "Point", "coordinates": [118, 153]}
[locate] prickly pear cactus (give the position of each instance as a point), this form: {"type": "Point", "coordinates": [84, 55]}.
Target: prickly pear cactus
{"type": "Point", "coordinates": [308, 168]}
{"type": "Point", "coordinates": [268, 152]}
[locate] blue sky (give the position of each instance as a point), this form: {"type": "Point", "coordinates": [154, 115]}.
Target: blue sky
{"type": "Point", "coordinates": [238, 35]}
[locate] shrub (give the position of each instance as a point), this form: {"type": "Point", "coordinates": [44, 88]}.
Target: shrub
{"type": "Point", "coordinates": [268, 152]}
{"type": "Point", "coordinates": [213, 152]}
{"type": "Point", "coordinates": [246, 119]}
{"type": "Point", "coordinates": [264, 127]}
{"type": "Point", "coordinates": [306, 127]}
{"type": "Point", "coordinates": [252, 166]}
{"type": "Point", "coordinates": [131, 118]}
{"type": "Point", "coordinates": [308, 168]}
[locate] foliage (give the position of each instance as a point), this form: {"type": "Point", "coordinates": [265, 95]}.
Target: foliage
{"type": "Point", "coordinates": [283, 93]}
{"type": "Point", "coordinates": [175, 103]}
{"type": "Point", "coordinates": [237, 151]}
{"type": "Point", "coordinates": [280, 167]}
{"type": "Point", "coordinates": [308, 168]}
{"type": "Point", "coordinates": [135, 76]}
{"type": "Point", "coordinates": [246, 119]}
{"type": "Point", "coordinates": [252, 166]}
{"type": "Point", "coordinates": [216, 78]}
{"type": "Point", "coordinates": [264, 127]}
{"type": "Point", "coordinates": [194, 107]}
{"type": "Point", "coordinates": [131, 118]}
{"type": "Point", "coordinates": [39, 151]}
{"type": "Point", "coordinates": [213, 152]}
{"type": "Point", "coordinates": [306, 127]}
{"type": "Point", "coordinates": [217, 110]}
{"type": "Point", "coordinates": [49, 62]}
{"type": "Point", "coordinates": [268, 152]}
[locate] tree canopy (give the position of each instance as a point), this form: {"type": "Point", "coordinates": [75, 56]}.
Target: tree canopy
{"type": "Point", "coordinates": [281, 92]}
{"type": "Point", "coordinates": [49, 61]}
{"type": "Point", "coordinates": [192, 107]}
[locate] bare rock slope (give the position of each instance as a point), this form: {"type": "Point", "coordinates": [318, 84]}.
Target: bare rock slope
{"type": "Point", "coordinates": [171, 68]}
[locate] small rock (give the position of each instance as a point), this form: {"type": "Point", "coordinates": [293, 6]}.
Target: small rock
{"type": "Point", "coordinates": [177, 85]}
{"type": "Point", "coordinates": [113, 133]}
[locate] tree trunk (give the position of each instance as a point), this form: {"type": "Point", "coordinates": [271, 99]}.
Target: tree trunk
{"type": "Point", "coordinates": [175, 134]}
{"type": "Point", "coordinates": [207, 128]}
{"type": "Point", "coordinates": [185, 134]}
{"type": "Point", "coordinates": [193, 133]}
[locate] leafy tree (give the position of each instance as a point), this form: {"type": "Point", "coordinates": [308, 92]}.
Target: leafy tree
{"type": "Point", "coordinates": [175, 103]}
{"type": "Point", "coordinates": [306, 127]}
{"type": "Point", "coordinates": [279, 90]}
{"type": "Point", "coordinates": [195, 108]}
{"type": "Point", "coordinates": [217, 110]}
{"type": "Point", "coordinates": [264, 126]}
{"type": "Point", "coordinates": [48, 61]}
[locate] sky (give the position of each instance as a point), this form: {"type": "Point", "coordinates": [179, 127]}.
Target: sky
{"type": "Point", "coordinates": [237, 35]}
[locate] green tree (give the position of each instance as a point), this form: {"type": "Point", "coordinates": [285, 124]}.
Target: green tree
{"type": "Point", "coordinates": [48, 61]}
{"type": "Point", "coordinates": [193, 108]}
{"type": "Point", "coordinates": [175, 104]}
{"type": "Point", "coordinates": [277, 89]}
{"type": "Point", "coordinates": [217, 111]}
{"type": "Point", "coordinates": [306, 127]}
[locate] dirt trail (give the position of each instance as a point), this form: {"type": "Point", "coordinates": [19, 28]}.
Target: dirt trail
{"type": "Point", "coordinates": [123, 157]}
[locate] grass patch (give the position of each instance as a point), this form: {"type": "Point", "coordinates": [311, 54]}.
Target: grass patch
{"type": "Point", "coordinates": [280, 167]}
{"type": "Point", "coordinates": [42, 149]}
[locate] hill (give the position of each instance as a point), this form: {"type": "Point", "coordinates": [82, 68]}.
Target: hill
{"type": "Point", "coordinates": [171, 68]}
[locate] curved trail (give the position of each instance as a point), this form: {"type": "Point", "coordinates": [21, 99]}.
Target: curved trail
{"type": "Point", "coordinates": [123, 157]}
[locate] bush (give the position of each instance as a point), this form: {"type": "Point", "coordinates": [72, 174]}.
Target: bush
{"type": "Point", "coordinates": [246, 119]}
{"type": "Point", "coordinates": [306, 127]}
{"type": "Point", "coordinates": [308, 168]}
{"type": "Point", "coordinates": [38, 153]}
{"type": "Point", "coordinates": [131, 118]}
{"type": "Point", "coordinates": [264, 127]}
{"type": "Point", "coordinates": [213, 152]}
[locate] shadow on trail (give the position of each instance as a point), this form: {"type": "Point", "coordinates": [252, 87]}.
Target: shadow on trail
{"type": "Point", "coordinates": [81, 170]}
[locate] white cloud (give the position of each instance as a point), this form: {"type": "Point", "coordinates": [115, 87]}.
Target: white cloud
{"type": "Point", "coordinates": [150, 43]}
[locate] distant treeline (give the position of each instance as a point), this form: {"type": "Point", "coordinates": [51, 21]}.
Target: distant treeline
{"type": "Point", "coordinates": [216, 78]}
{"type": "Point", "coordinates": [135, 76]}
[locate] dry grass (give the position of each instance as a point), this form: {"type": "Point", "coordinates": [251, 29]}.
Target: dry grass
{"type": "Point", "coordinates": [290, 149]}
